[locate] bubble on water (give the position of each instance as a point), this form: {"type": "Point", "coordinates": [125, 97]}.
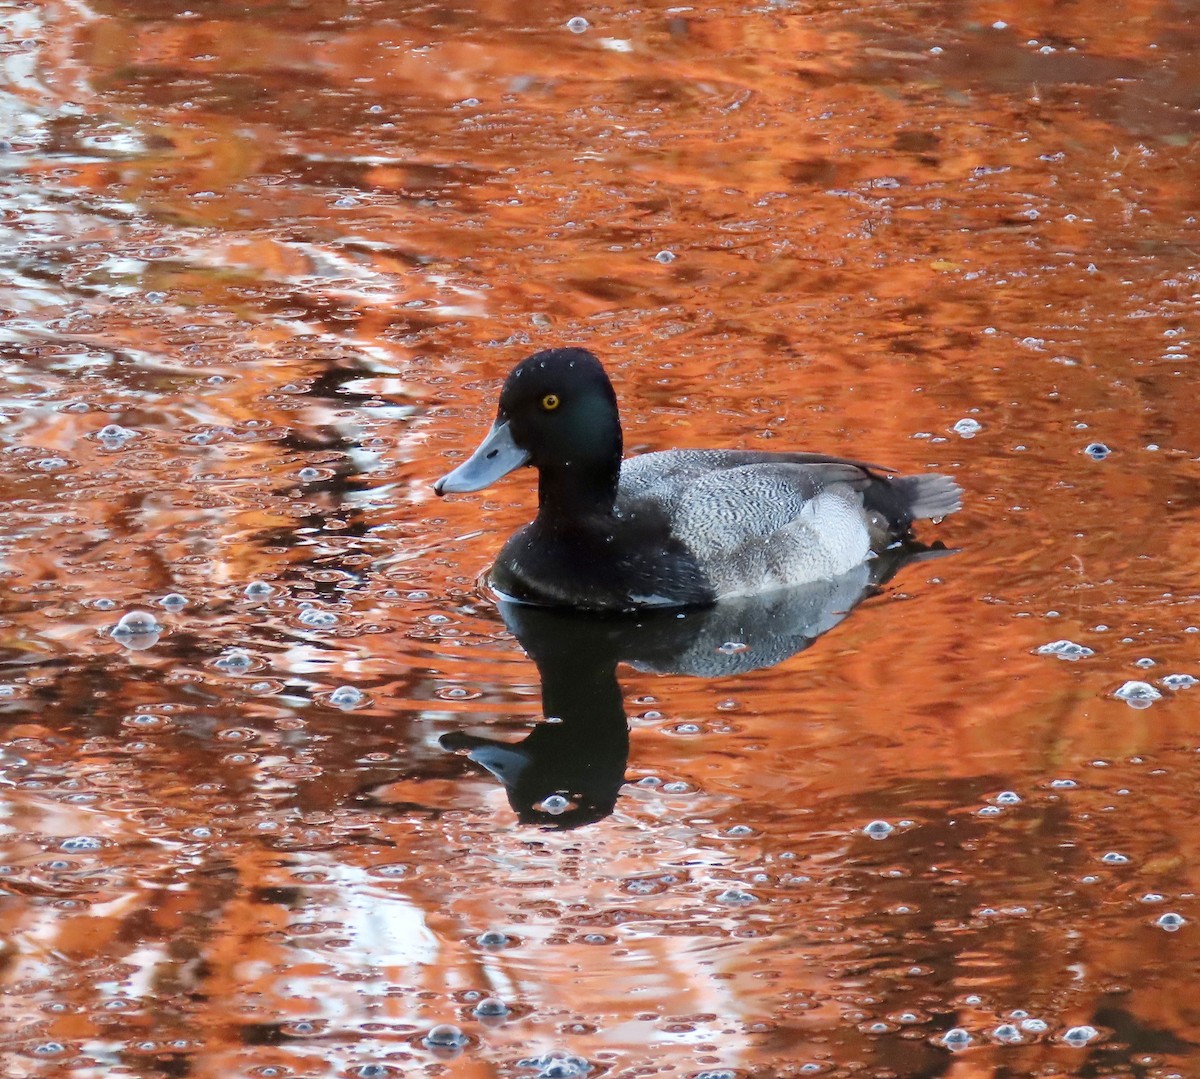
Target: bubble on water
{"type": "Point", "coordinates": [445, 1036]}
{"type": "Point", "coordinates": [554, 804]}
{"type": "Point", "coordinates": [372, 1071]}
{"type": "Point", "coordinates": [665, 257]}
{"type": "Point", "coordinates": [235, 661]}
{"type": "Point", "coordinates": [1008, 798]}
{"type": "Point", "coordinates": [81, 843]}
{"type": "Point", "coordinates": [1137, 694]}
{"type": "Point", "coordinates": [104, 604]}
{"type": "Point", "coordinates": [492, 938]}
{"type": "Point", "coordinates": [1179, 681]}
{"type": "Point", "coordinates": [967, 427]}
{"type": "Point", "coordinates": [578, 25]}
{"type": "Point", "coordinates": [258, 590]}
{"type": "Point", "coordinates": [173, 601]}
{"type": "Point", "coordinates": [134, 624]}
{"type": "Point", "coordinates": [739, 830]}
{"type": "Point", "coordinates": [1097, 451]}
{"type": "Point", "coordinates": [989, 811]}
{"type": "Point", "coordinates": [1035, 1026]}
{"type": "Point", "coordinates": [310, 616]}
{"type": "Point", "coordinates": [114, 435]}
{"type": "Point", "coordinates": [1170, 921]}
{"type": "Point", "coordinates": [688, 728]}
{"type": "Point", "coordinates": [346, 697]}
{"type": "Point", "coordinates": [1144, 663]}
{"type": "Point", "coordinates": [736, 897]}
{"type": "Point", "coordinates": [50, 1049]}
{"type": "Point", "coordinates": [1080, 1036]}
{"type": "Point", "coordinates": [1063, 784]}
{"type": "Point", "coordinates": [720, 1073]}
{"type": "Point", "coordinates": [49, 464]}
{"type": "Point", "coordinates": [308, 474]}
{"type": "Point", "coordinates": [1115, 857]}
{"type": "Point", "coordinates": [556, 1064]}
{"type": "Point", "coordinates": [1065, 649]}
{"type": "Point", "coordinates": [1007, 1033]}
{"type": "Point", "coordinates": [1153, 897]}
{"type": "Point", "coordinates": [676, 787]}
{"type": "Point", "coordinates": [491, 1008]}
{"type": "Point", "coordinates": [878, 829]}
{"type": "Point", "coordinates": [956, 1038]}
{"type": "Point", "coordinates": [345, 202]}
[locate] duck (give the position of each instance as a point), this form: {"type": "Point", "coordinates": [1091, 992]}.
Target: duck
{"type": "Point", "coordinates": [674, 528]}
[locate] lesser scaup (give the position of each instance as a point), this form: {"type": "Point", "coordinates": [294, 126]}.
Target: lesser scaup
{"type": "Point", "coordinates": [678, 528]}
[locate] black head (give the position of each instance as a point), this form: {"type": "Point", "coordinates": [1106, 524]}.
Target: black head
{"type": "Point", "coordinates": [557, 412]}
{"type": "Point", "coordinates": [560, 407]}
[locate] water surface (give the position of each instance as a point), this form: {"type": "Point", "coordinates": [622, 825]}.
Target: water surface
{"type": "Point", "coordinates": [264, 268]}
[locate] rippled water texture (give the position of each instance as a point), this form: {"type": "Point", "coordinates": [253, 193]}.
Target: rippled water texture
{"type": "Point", "coordinates": [264, 266]}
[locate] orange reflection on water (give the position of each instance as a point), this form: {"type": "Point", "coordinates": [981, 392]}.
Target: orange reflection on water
{"type": "Point", "coordinates": [293, 249]}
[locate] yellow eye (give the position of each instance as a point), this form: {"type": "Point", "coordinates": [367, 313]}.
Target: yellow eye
{"type": "Point", "coordinates": [550, 402]}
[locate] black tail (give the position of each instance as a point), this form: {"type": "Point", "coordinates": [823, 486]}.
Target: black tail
{"type": "Point", "coordinates": [904, 499]}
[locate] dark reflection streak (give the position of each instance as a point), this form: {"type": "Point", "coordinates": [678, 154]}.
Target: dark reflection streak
{"type": "Point", "coordinates": [578, 755]}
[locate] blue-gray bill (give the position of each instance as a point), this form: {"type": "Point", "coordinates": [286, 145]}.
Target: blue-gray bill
{"type": "Point", "coordinates": [496, 456]}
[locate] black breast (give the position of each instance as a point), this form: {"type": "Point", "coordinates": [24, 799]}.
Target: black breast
{"type": "Point", "coordinates": [601, 563]}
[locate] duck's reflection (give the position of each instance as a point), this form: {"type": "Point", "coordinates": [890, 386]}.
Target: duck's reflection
{"type": "Point", "coordinates": [570, 768]}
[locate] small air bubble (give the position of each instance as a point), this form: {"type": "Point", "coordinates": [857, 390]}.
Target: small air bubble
{"type": "Point", "coordinates": [1097, 451]}
{"type": "Point", "coordinates": [346, 697]}
{"type": "Point", "coordinates": [445, 1036]}
{"type": "Point", "coordinates": [173, 601]}
{"type": "Point", "coordinates": [1065, 649]}
{"type": "Point", "coordinates": [1170, 922]}
{"type": "Point", "coordinates": [258, 590]}
{"type": "Point", "coordinates": [490, 1007]}
{"type": "Point", "coordinates": [967, 427]}
{"type": "Point", "coordinates": [136, 624]}
{"type": "Point", "coordinates": [81, 843]}
{"type": "Point", "coordinates": [310, 616]}
{"type": "Point", "coordinates": [878, 829]}
{"type": "Point", "coordinates": [555, 805]}
{"type": "Point", "coordinates": [1080, 1036]}
{"type": "Point", "coordinates": [1137, 694]}
{"type": "Point", "coordinates": [956, 1039]}
{"type": "Point", "coordinates": [736, 897]}
{"type": "Point", "coordinates": [114, 436]}
{"type": "Point", "coordinates": [235, 661]}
